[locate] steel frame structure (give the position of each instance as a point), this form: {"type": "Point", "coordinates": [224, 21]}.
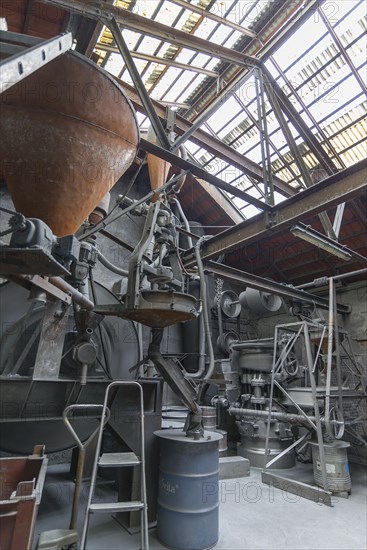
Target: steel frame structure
{"type": "Point", "coordinates": [297, 330]}
{"type": "Point", "coordinates": [241, 62]}
{"type": "Point", "coordinates": [341, 187]}
{"type": "Point", "coordinates": [26, 59]}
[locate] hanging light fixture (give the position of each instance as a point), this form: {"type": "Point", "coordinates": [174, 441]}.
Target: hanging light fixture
{"type": "Point", "coordinates": [308, 234]}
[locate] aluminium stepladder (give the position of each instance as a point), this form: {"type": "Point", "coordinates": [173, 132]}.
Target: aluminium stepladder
{"type": "Point", "coordinates": [119, 460]}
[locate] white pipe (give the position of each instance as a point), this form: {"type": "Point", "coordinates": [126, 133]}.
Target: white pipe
{"type": "Point", "coordinates": [205, 307]}
{"type": "Point", "coordinates": [185, 221]}
{"type": "Point", "coordinates": [110, 266]}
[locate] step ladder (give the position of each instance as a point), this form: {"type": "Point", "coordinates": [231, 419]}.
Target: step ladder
{"type": "Point", "coordinates": [119, 460]}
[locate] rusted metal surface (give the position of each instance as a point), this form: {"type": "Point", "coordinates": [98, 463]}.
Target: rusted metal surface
{"type": "Point", "coordinates": [68, 134]}
{"type": "Point", "coordinates": [156, 308]}
{"type": "Point", "coordinates": [21, 484]}
{"type": "Point", "coordinates": [158, 172]}
{"type": "Point", "coordinates": [161, 308]}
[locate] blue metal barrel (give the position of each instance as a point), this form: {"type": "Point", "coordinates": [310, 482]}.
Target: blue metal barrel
{"type": "Point", "coordinates": [188, 491]}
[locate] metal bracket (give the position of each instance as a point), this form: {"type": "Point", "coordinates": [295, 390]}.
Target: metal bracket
{"type": "Point", "coordinates": [297, 488]}
{"type": "Point", "coordinates": [43, 284]}
{"type": "Point", "coordinates": [271, 218]}
{"type": "Point", "coordinates": [22, 64]}
{"type": "Point", "coordinates": [48, 360]}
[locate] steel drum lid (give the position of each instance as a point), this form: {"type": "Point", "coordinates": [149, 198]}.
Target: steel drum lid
{"type": "Point", "coordinates": [179, 436]}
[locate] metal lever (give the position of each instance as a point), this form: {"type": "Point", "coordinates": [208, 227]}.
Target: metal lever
{"type": "Point", "coordinates": [82, 451]}
{"type": "Point", "coordinates": [184, 387]}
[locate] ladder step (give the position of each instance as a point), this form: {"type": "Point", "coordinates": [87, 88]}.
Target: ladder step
{"type": "Point", "coordinates": [112, 507]}
{"type": "Point", "coordinates": [118, 459]}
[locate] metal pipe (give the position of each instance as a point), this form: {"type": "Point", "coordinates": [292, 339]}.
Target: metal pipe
{"type": "Point", "coordinates": [323, 281]}
{"type": "Point", "coordinates": [185, 221]}
{"type": "Point", "coordinates": [205, 309]}
{"type": "Point", "coordinates": [178, 186]}
{"type": "Point", "coordinates": [111, 266]}
{"type": "Point", "coordinates": [202, 342]}
{"type": "Point", "coordinates": [274, 415]}
{"type": "Point", "coordinates": [84, 374]}
{"type": "Point", "coordinates": [350, 274]}
{"type": "Point", "coordinates": [77, 296]}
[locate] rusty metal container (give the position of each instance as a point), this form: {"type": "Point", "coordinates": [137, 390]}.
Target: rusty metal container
{"type": "Point", "coordinates": [158, 168]}
{"type": "Point", "coordinates": [21, 484]}
{"type": "Point", "coordinates": [68, 133]}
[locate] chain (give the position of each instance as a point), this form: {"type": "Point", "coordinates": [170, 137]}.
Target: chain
{"type": "Point", "coordinates": [218, 289]}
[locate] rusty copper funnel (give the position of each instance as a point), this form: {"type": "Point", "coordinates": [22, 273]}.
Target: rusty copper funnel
{"type": "Point", "coordinates": [68, 133]}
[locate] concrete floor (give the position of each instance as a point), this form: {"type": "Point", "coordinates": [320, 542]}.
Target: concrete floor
{"type": "Point", "coordinates": [252, 516]}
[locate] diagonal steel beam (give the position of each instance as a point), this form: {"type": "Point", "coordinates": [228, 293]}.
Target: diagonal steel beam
{"type": "Point", "coordinates": [134, 22]}
{"type": "Point", "coordinates": [341, 187]}
{"type": "Point", "coordinates": [273, 100]}
{"type": "Point", "coordinates": [211, 144]}
{"type": "Point", "coordinates": [207, 113]}
{"type": "Point", "coordinates": [200, 172]}
{"type": "Point", "coordinates": [299, 123]}
{"type": "Point", "coordinates": [139, 85]}
{"type": "Point", "coordinates": [343, 51]}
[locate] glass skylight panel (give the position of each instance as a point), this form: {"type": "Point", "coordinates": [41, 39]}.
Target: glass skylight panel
{"type": "Point", "coordinates": [220, 35]}
{"type": "Point", "coordinates": [201, 59]}
{"type": "Point", "coordinates": [144, 8]}
{"type": "Point", "coordinates": [338, 10]}
{"type": "Point", "coordinates": [205, 28]}
{"type": "Point", "coordinates": [334, 96]}
{"type": "Point", "coordinates": [168, 13]}
{"type": "Point", "coordinates": [251, 11]}
{"type": "Point", "coordinates": [240, 203]}
{"type": "Point", "coordinates": [149, 45]}
{"type": "Point", "coordinates": [296, 46]}
{"type": "Point", "coordinates": [342, 109]}
{"type": "Point", "coordinates": [115, 64]}
{"type": "Point", "coordinates": [231, 126]}
{"type": "Point", "coordinates": [232, 39]}
{"type": "Point", "coordinates": [250, 211]}
{"type": "Point", "coordinates": [357, 52]}
{"type": "Point", "coordinates": [185, 56]}
{"type": "Point", "coordinates": [141, 118]}
{"type": "Point", "coordinates": [192, 147]}
{"type": "Point", "coordinates": [186, 20]}
{"type": "Point", "coordinates": [197, 80]}
{"type": "Point", "coordinates": [222, 115]}
{"type": "Point", "coordinates": [130, 37]}
{"type": "Point", "coordinates": [247, 92]}
{"type": "Point", "coordinates": [350, 23]}
{"type": "Point", "coordinates": [163, 89]}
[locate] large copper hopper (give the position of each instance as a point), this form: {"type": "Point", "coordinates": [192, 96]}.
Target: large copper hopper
{"type": "Point", "coordinates": [68, 133]}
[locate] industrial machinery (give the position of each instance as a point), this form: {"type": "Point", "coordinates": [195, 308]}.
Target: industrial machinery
{"type": "Point", "coordinates": [287, 391]}
{"type": "Point", "coordinates": [65, 336]}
